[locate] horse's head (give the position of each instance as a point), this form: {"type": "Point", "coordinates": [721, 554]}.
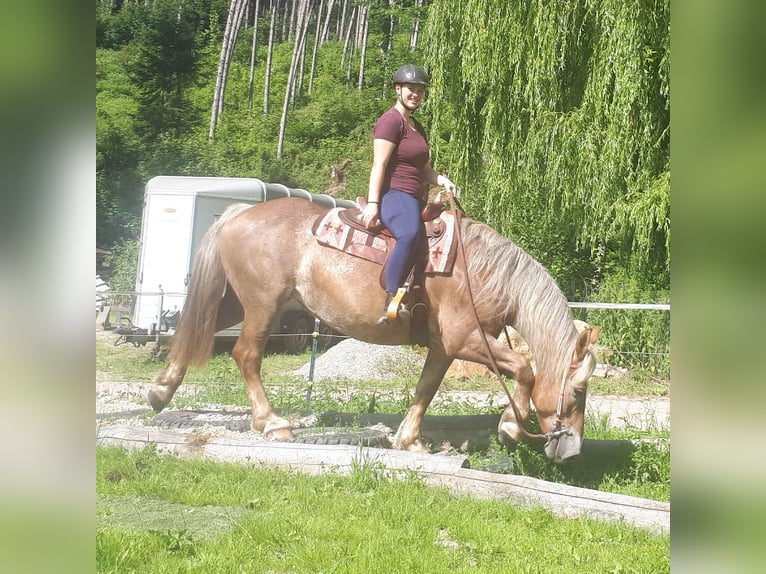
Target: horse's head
{"type": "Point", "coordinates": [560, 404]}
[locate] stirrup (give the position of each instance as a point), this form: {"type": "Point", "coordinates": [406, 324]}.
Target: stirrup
{"type": "Point", "coordinates": [392, 312]}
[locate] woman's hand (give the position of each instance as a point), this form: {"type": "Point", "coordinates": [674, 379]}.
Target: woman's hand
{"type": "Point", "coordinates": [370, 214]}
{"type": "Point", "coordinates": [444, 181]}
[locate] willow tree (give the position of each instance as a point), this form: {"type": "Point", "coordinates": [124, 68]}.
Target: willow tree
{"type": "Point", "coordinates": [554, 117]}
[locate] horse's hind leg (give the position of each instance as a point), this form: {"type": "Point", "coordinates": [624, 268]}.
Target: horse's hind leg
{"type": "Point", "coordinates": [165, 385]}
{"type": "Point", "coordinates": [248, 354]}
{"type": "Point", "coordinates": [167, 382]}
{"type": "Point", "coordinates": [408, 435]}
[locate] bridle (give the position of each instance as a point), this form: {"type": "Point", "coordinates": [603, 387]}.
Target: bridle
{"type": "Point", "coordinates": [558, 429]}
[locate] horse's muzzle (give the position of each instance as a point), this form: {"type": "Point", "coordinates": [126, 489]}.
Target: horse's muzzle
{"type": "Point", "coordinates": [563, 447]}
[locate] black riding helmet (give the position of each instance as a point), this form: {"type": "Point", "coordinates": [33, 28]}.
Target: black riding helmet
{"type": "Point", "coordinates": [411, 74]}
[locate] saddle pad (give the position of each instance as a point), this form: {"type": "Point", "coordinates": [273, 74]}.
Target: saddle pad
{"type": "Point", "coordinates": [331, 231]}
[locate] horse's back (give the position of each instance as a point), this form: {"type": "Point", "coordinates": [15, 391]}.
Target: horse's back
{"type": "Point", "coordinates": [265, 244]}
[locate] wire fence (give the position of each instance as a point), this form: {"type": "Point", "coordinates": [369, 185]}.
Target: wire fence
{"type": "Point", "coordinates": [634, 337]}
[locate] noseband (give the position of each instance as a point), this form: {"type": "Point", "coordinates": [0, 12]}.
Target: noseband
{"type": "Point", "coordinates": [557, 429]}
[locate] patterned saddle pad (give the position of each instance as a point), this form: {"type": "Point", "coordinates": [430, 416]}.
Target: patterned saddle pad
{"type": "Point", "coordinates": [342, 229]}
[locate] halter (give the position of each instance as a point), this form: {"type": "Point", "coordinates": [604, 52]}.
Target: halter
{"type": "Point", "coordinates": [557, 430]}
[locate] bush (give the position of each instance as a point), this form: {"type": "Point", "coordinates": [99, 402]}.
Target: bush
{"type": "Point", "coordinates": [122, 263]}
{"type": "Point", "coordinates": [639, 338]}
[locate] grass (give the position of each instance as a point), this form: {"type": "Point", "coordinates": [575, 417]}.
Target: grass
{"type": "Point", "coordinates": [162, 514]}
{"type": "Point", "coordinates": [128, 363]}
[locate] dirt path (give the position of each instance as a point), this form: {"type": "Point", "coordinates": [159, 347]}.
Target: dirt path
{"type": "Point", "coordinates": [129, 398]}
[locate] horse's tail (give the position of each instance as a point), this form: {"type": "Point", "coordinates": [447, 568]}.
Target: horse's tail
{"type": "Point", "coordinates": [193, 341]}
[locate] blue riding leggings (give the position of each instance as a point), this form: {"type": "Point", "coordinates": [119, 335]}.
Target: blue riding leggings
{"type": "Point", "coordinates": [400, 212]}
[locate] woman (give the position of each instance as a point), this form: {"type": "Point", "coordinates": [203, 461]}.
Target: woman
{"type": "Point", "coordinates": [401, 168]}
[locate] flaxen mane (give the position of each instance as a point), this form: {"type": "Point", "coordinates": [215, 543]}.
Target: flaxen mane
{"type": "Point", "coordinates": [524, 292]}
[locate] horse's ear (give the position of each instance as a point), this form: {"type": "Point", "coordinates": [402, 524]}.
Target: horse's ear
{"type": "Point", "coordinates": [584, 340]}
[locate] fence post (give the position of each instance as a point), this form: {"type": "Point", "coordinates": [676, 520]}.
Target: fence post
{"type": "Point", "coordinates": [159, 319]}
{"type": "Point", "coordinates": [315, 339]}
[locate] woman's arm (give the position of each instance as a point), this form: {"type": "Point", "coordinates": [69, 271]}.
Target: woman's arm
{"type": "Point", "coordinates": [381, 154]}
{"type": "Point", "coordinates": [437, 179]}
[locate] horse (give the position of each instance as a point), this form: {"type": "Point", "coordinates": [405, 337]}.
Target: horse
{"type": "Point", "coordinates": [255, 258]}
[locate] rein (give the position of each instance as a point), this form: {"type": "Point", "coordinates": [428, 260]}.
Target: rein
{"type": "Point", "coordinates": [557, 431]}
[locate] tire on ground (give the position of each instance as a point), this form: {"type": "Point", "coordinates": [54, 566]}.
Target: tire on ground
{"type": "Point", "coordinates": [298, 334]}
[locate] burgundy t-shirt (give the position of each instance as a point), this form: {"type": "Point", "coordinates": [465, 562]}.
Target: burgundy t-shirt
{"type": "Point", "coordinates": [410, 155]}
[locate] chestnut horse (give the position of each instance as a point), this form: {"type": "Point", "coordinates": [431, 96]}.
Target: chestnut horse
{"type": "Point", "coordinates": [255, 258]}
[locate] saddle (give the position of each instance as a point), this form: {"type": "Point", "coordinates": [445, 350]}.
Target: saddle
{"type": "Point", "coordinates": [343, 229]}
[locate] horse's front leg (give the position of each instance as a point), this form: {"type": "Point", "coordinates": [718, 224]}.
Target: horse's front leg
{"type": "Point", "coordinates": [510, 363]}
{"type": "Point", "coordinates": [510, 427]}
{"type": "Point", "coordinates": [408, 435]}
{"type": "Point", "coordinates": [248, 354]}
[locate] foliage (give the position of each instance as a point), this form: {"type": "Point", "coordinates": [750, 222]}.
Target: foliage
{"type": "Point", "coordinates": [642, 335]}
{"type": "Point", "coordinates": [122, 263]}
{"type": "Point", "coordinates": [280, 521]}
{"type": "Point", "coordinates": [559, 126]}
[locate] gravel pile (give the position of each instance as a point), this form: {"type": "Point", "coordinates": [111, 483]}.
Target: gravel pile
{"type": "Point", "coordinates": [355, 360]}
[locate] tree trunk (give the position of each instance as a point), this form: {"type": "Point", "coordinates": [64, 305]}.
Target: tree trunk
{"type": "Point", "coordinates": [291, 31]}
{"type": "Point", "coordinates": [267, 74]}
{"type": "Point", "coordinates": [317, 33]}
{"type": "Point", "coordinates": [236, 9]}
{"type": "Point", "coordinates": [364, 21]}
{"type": "Point", "coordinates": [285, 12]}
{"type": "Point", "coordinates": [388, 30]}
{"type": "Point", "coordinates": [298, 91]}
{"type": "Point", "coordinates": [323, 37]}
{"type": "Point", "coordinates": [340, 31]}
{"type": "Point", "coordinates": [347, 38]}
{"type": "Point", "coordinates": [252, 56]}
{"type": "Point", "coordinates": [415, 28]}
{"type": "Point", "coordinates": [302, 7]}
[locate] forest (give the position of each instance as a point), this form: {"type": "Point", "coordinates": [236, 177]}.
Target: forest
{"type": "Point", "coordinates": [552, 118]}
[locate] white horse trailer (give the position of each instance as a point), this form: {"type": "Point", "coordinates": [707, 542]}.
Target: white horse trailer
{"type": "Point", "coordinates": [176, 214]}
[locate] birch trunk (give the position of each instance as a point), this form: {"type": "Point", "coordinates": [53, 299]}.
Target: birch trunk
{"type": "Point", "coordinates": [298, 91]}
{"type": "Point", "coordinates": [302, 7]}
{"type": "Point", "coordinates": [323, 37]}
{"type": "Point", "coordinates": [340, 31]}
{"type": "Point", "coordinates": [347, 38]}
{"type": "Point", "coordinates": [291, 31]}
{"type": "Point", "coordinates": [317, 33]}
{"type": "Point", "coordinates": [267, 76]}
{"type": "Point", "coordinates": [364, 21]}
{"type": "Point", "coordinates": [415, 29]}
{"type": "Point", "coordinates": [253, 53]}
{"type": "Point", "coordinates": [236, 9]}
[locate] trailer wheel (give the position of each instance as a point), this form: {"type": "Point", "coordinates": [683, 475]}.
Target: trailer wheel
{"type": "Point", "coordinates": [327, 337]}
{"type": "Point", "coordinates": [299, 332]}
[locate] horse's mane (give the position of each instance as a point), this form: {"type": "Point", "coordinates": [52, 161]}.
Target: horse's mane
{"type": "Point", "coordinates": [509, 282]}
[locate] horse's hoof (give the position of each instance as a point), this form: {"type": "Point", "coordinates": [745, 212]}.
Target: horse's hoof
{"type": "Point", "coordinates": [414, 446]}
{"type": "Point", "coordinates": [509, 433]}
{"type": "Point", "coordinates": [156, 401]}
{"type": "Point", "coordinates": [281, 433]}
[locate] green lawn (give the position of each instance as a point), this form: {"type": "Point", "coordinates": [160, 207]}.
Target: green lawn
{"type": "Point", "coordinates": [163, 514]}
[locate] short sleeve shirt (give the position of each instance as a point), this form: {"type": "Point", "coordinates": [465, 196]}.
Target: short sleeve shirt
{"type": "Point", "coordinates": [410, 156]}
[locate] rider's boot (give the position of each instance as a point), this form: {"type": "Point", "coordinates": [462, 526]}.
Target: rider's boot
{"type": "Point", "coordinates": [389, 297]}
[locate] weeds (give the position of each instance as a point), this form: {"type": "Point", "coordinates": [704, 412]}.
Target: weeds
{"type": "Point", "coordinates": [281, 521]}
